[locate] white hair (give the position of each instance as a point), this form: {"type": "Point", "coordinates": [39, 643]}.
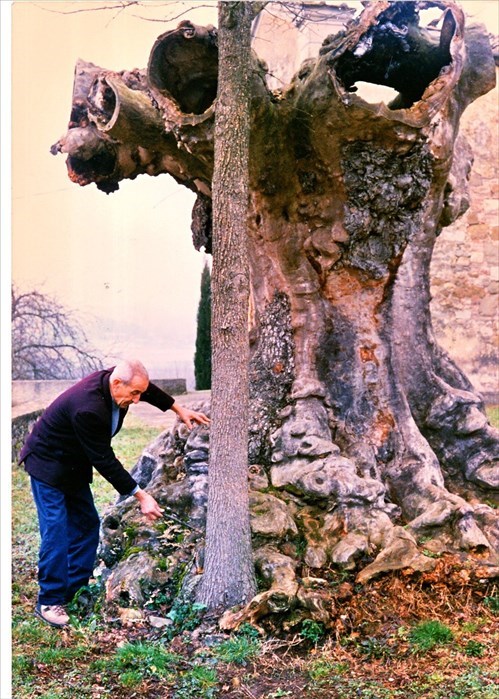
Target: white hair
{"type": "Point", "coordinates": [128, 369]}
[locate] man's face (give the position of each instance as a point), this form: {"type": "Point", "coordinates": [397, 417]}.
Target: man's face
{"type": "Point", "coordinates": [124, 394]}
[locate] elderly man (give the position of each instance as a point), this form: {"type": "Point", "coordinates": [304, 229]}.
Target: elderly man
{"type": "Point", "coordinates": [73, 435]}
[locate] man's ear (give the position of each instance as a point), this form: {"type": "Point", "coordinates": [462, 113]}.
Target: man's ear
{"type": "Point", "coordinates": [114, 384]}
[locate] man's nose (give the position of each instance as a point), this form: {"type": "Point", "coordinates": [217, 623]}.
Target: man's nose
{"type": "Point", "coordinates": [135, 399]}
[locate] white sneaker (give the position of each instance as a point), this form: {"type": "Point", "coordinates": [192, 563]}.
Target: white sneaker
{"type": "Point", "coordinates": [53, 614]}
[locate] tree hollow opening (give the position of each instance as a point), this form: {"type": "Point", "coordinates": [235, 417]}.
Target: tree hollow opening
{"type": "Point", "coordinates": [102, 102]}
{"type": "Point", "coordinates": [183, 66]}
{"type": "Point", "coordinates": [398, 53]}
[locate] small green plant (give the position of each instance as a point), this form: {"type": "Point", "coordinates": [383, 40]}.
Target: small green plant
{"type": "Point", "coordinates": [312, 630]}
{"type": "Point", "coordinates": [492, 602]}
{"type": "Point", "coordinates": [22, 665]}
{"type": "Point", "coordinates": [435, 679]}
{"type": "Point", "coordinates": [84, 628]}
{"type": "Point", "coordinates": [321, 670]}
{"type": "Point", "coordinates": [431, 554]}
{"type": "Point", "coordinates": [324, 671]}
{"type": "Point", "coordinates": [374, 648]}
{"type": "Point", "coordinates": [131, 530]}
{"type": "Point", "coordinates": [31, 631]}
{"type": "Point", "coordinates": [156, 596]}
{"type": "Point", "coordinates": [238, 649]}
{"type": "Point", "coordinates": [475, 684]}
{"type": "Point", "coordinates": [301, 544]}
{"type": "Point", "coordinates": [162, 564]}
{"type": "Point", "coordinates": [428, 634]}
{"type": "Point", "coordinates": [472, 626]}
{"type": "Point", "coordinates": [278, 693]}
{"type": "Point", "coordinates": [131, 551]}
{"type": "Point", "coordinates": [198, 683]}
{"type": "Point", "coordinates": [247, 629]}
{"type": "Point", "coordinates": [145, 660]}
{"type": "Point", "coordinates": [474, 649]}
{"type": "Point", "coordinates": [87, 600]}
{"type": "Point", "coordinates": [131, 678]}
{"type": "Point", "coordinates": [185, 616]}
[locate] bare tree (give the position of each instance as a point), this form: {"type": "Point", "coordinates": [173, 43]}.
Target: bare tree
{"type": "Point", "coordinates": [48, 342]}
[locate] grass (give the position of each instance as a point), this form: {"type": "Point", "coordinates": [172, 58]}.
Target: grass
{"type": "Point", "coordinates": [428, 634]}
{"type": "Point", "coordinates": [390, 651]}
{"type": "Point", "coordinates": [131, 440]}
{"type": "Point", "coordinates": [238, 650]}
{"type": "Point", "coordinates": [493, 415]}
{"type": "Point", "coordinates": [198, 683]}
{"type": "Point", "coordinates": [144, 659]}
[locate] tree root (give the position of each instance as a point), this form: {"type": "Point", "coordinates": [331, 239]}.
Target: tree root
{"type": "Point", "coordinates": [293, 532]}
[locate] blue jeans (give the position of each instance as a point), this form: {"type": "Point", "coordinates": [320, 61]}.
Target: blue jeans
{"type": "Point", "coordinates": [69, 529]}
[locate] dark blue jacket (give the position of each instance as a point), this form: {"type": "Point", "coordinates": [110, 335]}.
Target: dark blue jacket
{"type": "Point", "coordinates": [74, 433]}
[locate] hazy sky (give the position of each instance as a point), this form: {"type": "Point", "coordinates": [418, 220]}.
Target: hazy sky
{"type": "Point", "coordinates": [125, 260]}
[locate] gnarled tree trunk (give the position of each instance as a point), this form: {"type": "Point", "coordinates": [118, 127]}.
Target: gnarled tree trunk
{"type": "Point", "coordinates": [368, 434]}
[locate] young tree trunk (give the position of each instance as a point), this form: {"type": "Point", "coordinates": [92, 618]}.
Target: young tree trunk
{"type": "Point", "coordinates": [228, 577]}
{"type": "Point", "coordinates": [369, 436]}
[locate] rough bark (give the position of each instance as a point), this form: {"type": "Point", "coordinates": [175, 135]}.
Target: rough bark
{"type": "Point", "coordinates": [367, 434]}
{"type": "Point", "coordinates": [229, 577]}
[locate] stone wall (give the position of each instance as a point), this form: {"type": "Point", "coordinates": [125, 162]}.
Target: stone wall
{"type": "Point", "coordinates": [465, 266]}
{"type": "Point", "coordinates": [175, 387]}
{"type": "Point", "coordinates": [21, 426]}
{"type": "Point", "coordinates": [28, 396]}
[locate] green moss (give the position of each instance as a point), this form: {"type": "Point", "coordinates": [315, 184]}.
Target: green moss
{"type": "Point", "coordinates": [131, 551]}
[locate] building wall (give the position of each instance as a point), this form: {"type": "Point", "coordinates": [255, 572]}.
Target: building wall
{"type": "Point", "coordinates": [465, 265]}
